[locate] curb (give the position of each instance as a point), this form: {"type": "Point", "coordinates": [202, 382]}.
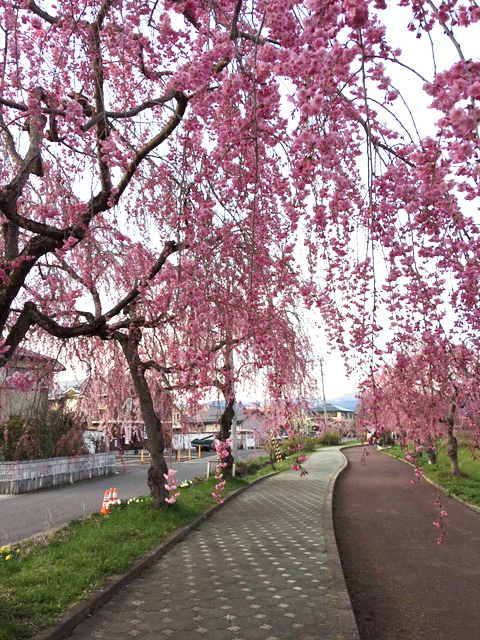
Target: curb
{"type": "Point", "coordinates": [348, 624]}
{"type": "Point", "coordinates": [438, 487]}
{"type": "Point", "coordinates": [82, 610]}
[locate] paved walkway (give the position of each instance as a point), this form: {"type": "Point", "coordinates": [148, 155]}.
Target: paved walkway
{"type": "Point", "coordinates": [262, 568]}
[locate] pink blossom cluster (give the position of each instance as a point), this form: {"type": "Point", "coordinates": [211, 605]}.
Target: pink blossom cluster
{"type": "Point", "coordinates": [222, 447]}
{"type": "Point", "coordinates": [299, 460]}
{"type": "Point", "coordinates": [439, 522]}
{"type": "Point", "coordinates": [21, 381]}
{"type": "Point", "coordinates": [171, 486]}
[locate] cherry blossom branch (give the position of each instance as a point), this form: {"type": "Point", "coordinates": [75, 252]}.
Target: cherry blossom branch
{"type": "Point", "coordinates": [374, 141]}
{"type": "Point", "coordinates": [114, 115]}
{"type": "Point", "coordinates": [399, 63]}
{"type": "Point", "coordinates": [64, 266]}
{"type": "Point", "coordinates": [41, 13]}
{"type": "Point", "coordinates": [167, 130]}
{"type": "Point", "coordinates": [449, 33]}
{"type": "Point", "coordinates": [171, 486]}
{"type": "Point", "coordinates": [31, 315]}
{"type": "Point", "coordinates": [102, 130]}
{"type": "Point", "coordinates": [170, 248]}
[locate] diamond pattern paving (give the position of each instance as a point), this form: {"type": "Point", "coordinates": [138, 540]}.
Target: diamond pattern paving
{"type": "Point", "coordinates": [257, 570]}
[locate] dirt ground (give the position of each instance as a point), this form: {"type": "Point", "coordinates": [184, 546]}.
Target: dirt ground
{"type": "Point", "coordinates": [402, 584]}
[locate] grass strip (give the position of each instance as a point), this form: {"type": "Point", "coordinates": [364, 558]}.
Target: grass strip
{"type": "Point", "coordinates": [51, 575]}
{"type": "Point", "coordinates": [466, 486]}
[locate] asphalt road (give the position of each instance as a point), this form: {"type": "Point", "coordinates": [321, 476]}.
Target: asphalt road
{"type": "Point", "coordinates": [402, 584]}
{"type": "Point", "coordinates": [29, 514]}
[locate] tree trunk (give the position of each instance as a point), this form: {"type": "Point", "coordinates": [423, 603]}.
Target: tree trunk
{"type": "Point", "coordinates": [452, 452]}
{"type": "Point", "coordinates": [155, 477]}
{"type": "Point", "coordinates": [153, 425]}
{"type": "Point", "coordinates": [452, 444]}
{"type": "Point", "coordinates": [226, 420]}
{"type": "Point", "coordinates": [431, 451]}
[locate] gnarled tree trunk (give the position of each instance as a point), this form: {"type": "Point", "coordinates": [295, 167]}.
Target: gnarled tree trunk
{"type": "Point", "coordinates": [226, 420]}
{"type": "Point", "coordinates": [153, 425]}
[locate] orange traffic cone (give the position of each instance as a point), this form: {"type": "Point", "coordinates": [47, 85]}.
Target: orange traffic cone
{"type": "Point", "coordinates": [114, 498]}
{"type": "Point", "coordinates": [105, 504]}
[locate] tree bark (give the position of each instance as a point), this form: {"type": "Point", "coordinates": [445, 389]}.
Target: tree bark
{"type": "Point", "coordinates": [452, 444]}
{"type": "Point", "coordinates": [228, 391]}
{"type": "Point", "coordinates": [153, 425]}
{"type": "Point", "coordinates": [226, 420]}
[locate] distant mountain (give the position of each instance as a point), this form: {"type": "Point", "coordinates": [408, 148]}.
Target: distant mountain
{"type": "Point", "coordinates": [348, 401]}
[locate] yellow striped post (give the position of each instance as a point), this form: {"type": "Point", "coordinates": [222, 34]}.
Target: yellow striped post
{"type": "Point", "coordinates": [275, 447]}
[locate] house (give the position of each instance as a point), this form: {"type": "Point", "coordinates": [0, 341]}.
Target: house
{"type": "Point", "coordinates": [249, 423]}
{"type": "Point", "coordinates": [254, 426]}
{"type": "Point", "coordinates": [38, 371]}
{"type": "Point", "coordinates": [334, 413]}
{"type": "Point", "coordinates": [120, 424]}
{"type": "Point", "coordinates": [208, 418]}
{"type": "Point", "coordinates": [66, 394]}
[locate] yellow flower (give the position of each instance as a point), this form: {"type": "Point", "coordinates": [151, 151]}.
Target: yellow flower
{"type": "Point", "coordinates": [8, 557]}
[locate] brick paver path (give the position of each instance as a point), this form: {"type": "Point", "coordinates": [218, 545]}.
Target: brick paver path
{"type": "Point", "coordinates": [257, 570]}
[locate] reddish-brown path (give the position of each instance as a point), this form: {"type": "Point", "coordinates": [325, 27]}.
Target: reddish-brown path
{"type": "Point", "coordinates": [404, 586]}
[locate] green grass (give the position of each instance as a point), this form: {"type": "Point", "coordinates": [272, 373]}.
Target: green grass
{"type": "Point", "coordinates": [466, 486]}
{"type": "Point", "coordinates": [51, 575]}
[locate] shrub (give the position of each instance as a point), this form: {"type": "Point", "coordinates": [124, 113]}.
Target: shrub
{"type": "Point", "coordinates": [306, 443]}
{"type": "Point", "coordinates": [330, 438]}
{"type": "Point", "coordinates": [250, 467]}
{"type": "Point", "coordinates": [58, 434]}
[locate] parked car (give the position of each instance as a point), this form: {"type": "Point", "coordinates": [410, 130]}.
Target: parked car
{"type": "Point", "coordinates": [206, 442]}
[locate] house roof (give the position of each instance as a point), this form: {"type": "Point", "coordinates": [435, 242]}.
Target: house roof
{"type": "Point", "coordinates": [28, 356]}
{"type": "Point", "coordinates": [62, 386]}
{"type": "Point", "coordinates": [212, 413]}
{"type": "Point", "coordinates": [331, 408]}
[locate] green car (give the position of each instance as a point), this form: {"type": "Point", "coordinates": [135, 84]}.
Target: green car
{"type": "Point", "coordinates": [206, 442]}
